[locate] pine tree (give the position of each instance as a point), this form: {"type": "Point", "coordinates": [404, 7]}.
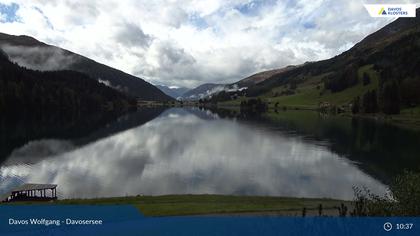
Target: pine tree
{"type": "Point", "coordinates": [366, 79]}
{"type": "Point", "coordinates": [356, 105]}
{"type": "Point", "coordinates": [390, 98]}
{"type": "Point", "coordinates": [370, 102]}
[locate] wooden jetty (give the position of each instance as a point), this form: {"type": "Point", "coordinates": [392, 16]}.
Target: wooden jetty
{"type": "Point", "coordinates": [31, 192]}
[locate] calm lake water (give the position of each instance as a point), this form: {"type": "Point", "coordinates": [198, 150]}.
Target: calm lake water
{"type": "Point", "coordinates": [179, 151]}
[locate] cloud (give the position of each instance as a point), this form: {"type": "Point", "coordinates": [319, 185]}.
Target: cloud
{"type": "Point", "coordinates": [131, 35]}
{"type": "Point", "coordinates": [39, 58]}
{"type": "Point", "coordinates": [118, 87]}
{"type": "Point", "coordinates": [106, 82]}
{"type": "Point", "coordinates": [190, 42]}
{"type": "Point", "coordinates": [167, 62]}
{"type": "Point", "coordinates": [35, 151]}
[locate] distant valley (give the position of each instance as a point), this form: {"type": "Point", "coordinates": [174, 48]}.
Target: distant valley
{"type": "Point", "coordinates": [174, 92]}
{"type": "Point", "coordinates": [201, 92]}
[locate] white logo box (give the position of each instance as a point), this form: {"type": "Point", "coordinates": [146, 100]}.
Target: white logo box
{"type": "Point", "coordinates": [391, 10]}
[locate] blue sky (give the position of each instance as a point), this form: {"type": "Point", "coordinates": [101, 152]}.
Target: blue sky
{"type": "Point", "coordinates": [8, 11]}
{"type": "Point", "coordinates": [190, 42]}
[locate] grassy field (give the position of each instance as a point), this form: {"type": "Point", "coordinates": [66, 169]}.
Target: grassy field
{"type": "Point", "coordinates": [310, 93]}
{"type": "Point", "coordinates": [171, 205]}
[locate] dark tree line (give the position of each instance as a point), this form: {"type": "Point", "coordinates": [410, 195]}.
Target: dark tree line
{"type": "Point", "coordinates": [387, 101]}
{"type": "Point", "coordinates": [370, 102]}
{"type": "Point", "coordinates": [342, 80]}
{"type": "Point", "coordinates": [61, 92]}
{"type": "Point", "coordinates": [253, 105]}
{"type": "Point", "coordinates": [410, 92]}
{"type": "Point", "coordinates": [398, 65]}
{"type": "Point", "coordinates": [390, 97]}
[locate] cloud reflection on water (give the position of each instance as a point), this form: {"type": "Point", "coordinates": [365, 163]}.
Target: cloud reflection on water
{"type": "Point", "coordinates": [179, 153]}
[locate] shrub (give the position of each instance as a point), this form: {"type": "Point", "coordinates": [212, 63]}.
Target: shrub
{"type": "Point", "coordinates": [403, 198]}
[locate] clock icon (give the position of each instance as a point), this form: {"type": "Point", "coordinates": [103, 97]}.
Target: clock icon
{"type": "Point", "coordinates": [387, 226]}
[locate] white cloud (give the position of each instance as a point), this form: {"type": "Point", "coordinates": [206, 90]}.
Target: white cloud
{"type": "Point", "coordinates": [189, 42]}
{"type": "Point", "coordinates": [46, 59]}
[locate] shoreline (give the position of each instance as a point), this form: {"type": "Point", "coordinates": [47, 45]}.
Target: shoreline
{"type": "Point", "coordinates": [213, 205]}
{"type": "Point", "coordinates": [401, 120]}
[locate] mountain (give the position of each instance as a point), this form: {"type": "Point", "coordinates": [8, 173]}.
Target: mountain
{"type": "Point", "coordinates": [379, 74]}
{"type": "Point", "coordinates": [31, 53]}
{"type": "Point", "coordinates": [174, 92]}
{"type": "Point", "coordinates": [203, 91]}
{"type": "Point", "coordinates": [64, 93]}
{"type": "Point", "coordinates": [261, 76]}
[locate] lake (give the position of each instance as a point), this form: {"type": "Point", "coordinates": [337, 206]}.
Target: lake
{"type": "Point", "coordinates": [191, 151]}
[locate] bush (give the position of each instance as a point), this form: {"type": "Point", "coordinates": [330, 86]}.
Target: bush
{"type": "Point", "coordinates": [406, 193]}
{"type": "Point", "coordinates": [403, 198]}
